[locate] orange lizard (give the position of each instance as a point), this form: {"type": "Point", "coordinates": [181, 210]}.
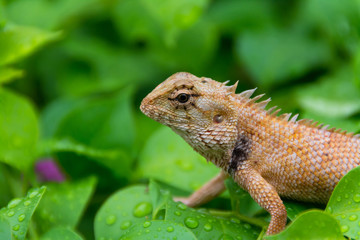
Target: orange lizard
{"type": "Point", "coordinates": [266, 154]}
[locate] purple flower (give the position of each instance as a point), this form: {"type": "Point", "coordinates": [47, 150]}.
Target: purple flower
{"type": "Point", "coordinates": [48, 170]}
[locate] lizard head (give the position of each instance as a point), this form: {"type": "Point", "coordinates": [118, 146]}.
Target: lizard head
{"type": "Point", "coordinates": [198, 109]}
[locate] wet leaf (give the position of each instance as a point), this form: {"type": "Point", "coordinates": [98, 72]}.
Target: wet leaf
{"type": "Point", "coordinates": [19, 211]}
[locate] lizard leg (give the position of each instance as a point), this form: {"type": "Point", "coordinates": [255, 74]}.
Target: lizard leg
{"type": "Point", "coordinates": [266, 196]}
{"type": "Point", "coordinates": [207, 192]}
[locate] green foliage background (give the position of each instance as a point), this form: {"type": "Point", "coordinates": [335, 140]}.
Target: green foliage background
{"type": "Point", "coordinates": [73, 74]}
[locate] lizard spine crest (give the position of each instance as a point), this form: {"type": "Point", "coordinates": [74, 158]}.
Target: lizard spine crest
{"type": "Point", "coordinates": [245, 97]}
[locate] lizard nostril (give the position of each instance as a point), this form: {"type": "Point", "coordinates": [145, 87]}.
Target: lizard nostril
{"type": "Point", "coordinates": [218, 118]}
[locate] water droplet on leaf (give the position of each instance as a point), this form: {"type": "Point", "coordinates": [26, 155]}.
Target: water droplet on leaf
{"type": "Point", "coordinates": [225, 237]}
{"type": "Point", "coordinates": [142, 209]}
{"type": "Point", "coordinates": [177, 213]}
{"type": "Point", "coordinates": [344, 228]}
{"type": "Point", "coordinates": [111, 219]}
{"type": "Point", "coordinates": [353, 217]}
{"type": "Point", "coordinates": [356, 198]}
{"type": "Point", "coordinates": [147, 224]}
{"type": "Point", "coordinates": [181, 206]}
{"type": "Point", "coordinates": [27, 203]}
{"type": "Point", "coordinates": [208, 227]}
{"type": "Point", "coordinates": [170, 229]}
{"type": "Point", "coordinates": [125, 225]}
{"type": "Point", "coordinates": [21, 217]}
{"type": "Point", "coordinates": [16, 227]}
{"type": "Point", "coordinates": [10, 213]}
{"type": "Point", "coordinates": [33, 193]}
{"type": "Point", "coordinates": [13, 203]}
{"type": "Point", "coordinates": [191, 222]}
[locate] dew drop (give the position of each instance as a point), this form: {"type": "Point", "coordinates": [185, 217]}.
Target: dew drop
{"type": "Point", "coordinates": [356, 198]}
{"type": "Point", "coordinates": [27, 203]}
{"type": "Point", "coordinates": [125, 225]}
{"type": "Point", "coordinates": [10, 213]}
{"type": "Point", "coordinates": [177, 213]}
{"type": "Point", "coordinates": [344, 228]}
{"type": "Point", "coordinates": [181, 206]}
{"type": "Point", "coordinates": [111, 219]}
{"type": "Point", "coordinates": [170, 229]}
{"type": "Point", "coordinates": [330, 210]}
{"type": "Point", "coordinates": [142, 209]}
{"type": "Point", "coordinates": [185, 165]}
{"type": "Point", "coordinates": [13, 203]}
{"type": "Point", "coordinates": [343, 216]}
{"type": "Point", "coordinates": [338, 199]}
{"type": "Point", "coordinates": [147, 224]}
{"type": "Point", "coordinates": [21, 217]}
{"type": "Point", "coordinates": [16, 227]}
{"type": "Point", "coordinates": [346, 195]}
{"type": "Point", "coordinates": [33, 193]}
{"type": "Point", "coordinates": [225, 237]}
{"type": "Point", "coordinates": [147, 230]}
{"type": "Point", "coordinates": [208, 227]}
{"type": "Point", "coordinates": [235, 220]}
{"type": "Point", "coordinates": [191, 222]}
{"type": "Point", "coordinates": [353, 217]}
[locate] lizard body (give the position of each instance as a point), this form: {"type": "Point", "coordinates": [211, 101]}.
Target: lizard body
{"type": "Point", "coordinates": [267, 155]}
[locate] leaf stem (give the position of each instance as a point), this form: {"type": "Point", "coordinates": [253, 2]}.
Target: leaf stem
{"type": "Point", "coordinates": [251, 220]}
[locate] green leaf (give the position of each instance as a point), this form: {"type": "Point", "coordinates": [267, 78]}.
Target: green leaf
{"type": "Point", "coordinates": [52, 115]}
{"type": "Point", "coordinates": [311, 225]}
{"type": "Point", "coordinates": [174, 15]}
{"type": "Point", "coordinates": [111, 68]}
{"type": "Point", "coordinates": [158, 229]}
{"type": "Point", "coordinates": [60, 233]}
{"type": "Point", "coordinates": [159, 198]}
{"type": "Point", "coordinates": [122, 210]}
{"type": "Point", "coordinates": [67, 145]}
{"type": "Point", "coordinates": [143, 26]}
{"type": "Point", "coordinates": [108, 157]}
{"type": "Point", "coordinates": [294, 209]}
{"type": "Point", "coordinates": [168, 158]}
{"type": "Point", "coordinates": [337, 21]}
{"type": "Point", "coordinates": [241, 201]}
{"type": "Point", "coordinates": [236, 16]}
{"type": "Point", "coordinates": [7, 74]}
{"type": "Point", "coordinates": [334, 96]}
{"type": "Point", "coordinates": [17, 42]}
{"type": "Point", "coordinates": [5, 229]}
{"type": "Point", "coordinates": [55, 12]}
{"type": "Point", "coordinates": [19, 211]}
{"type": "Point", "coordinates": [277, 56]}
{"type": "Point", "coordinates": [19, 130]}
{"type": "Point", "coordinates": [344, 203]}
{"type": "Point", "coordinates": [206, 226]}
{"type": "Point", "coordinates": [71, 198]}
{"type": "Point", "coordinates": [101, 122]}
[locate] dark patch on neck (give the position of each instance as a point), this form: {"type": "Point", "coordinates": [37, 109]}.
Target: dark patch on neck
{"type": "Point", "coordinates": [240, 154]}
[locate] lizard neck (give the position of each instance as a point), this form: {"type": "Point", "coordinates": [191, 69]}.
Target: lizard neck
{"type": "Point", "coordinates": [214, 145]}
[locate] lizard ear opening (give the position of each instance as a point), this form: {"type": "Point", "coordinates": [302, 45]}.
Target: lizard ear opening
{"type": "Point", "coordinates": [218, 118]}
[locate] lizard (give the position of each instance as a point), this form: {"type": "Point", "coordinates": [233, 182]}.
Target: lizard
{"type": "Point", "coordinates": [268, 154]}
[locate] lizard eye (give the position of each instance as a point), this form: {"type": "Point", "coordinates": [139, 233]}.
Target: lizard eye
{"type": "Point", "coordinates": [183, 97]}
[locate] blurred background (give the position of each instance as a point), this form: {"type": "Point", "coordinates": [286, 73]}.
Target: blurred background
{"type": "Point", "coordinates": [73, 74]}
